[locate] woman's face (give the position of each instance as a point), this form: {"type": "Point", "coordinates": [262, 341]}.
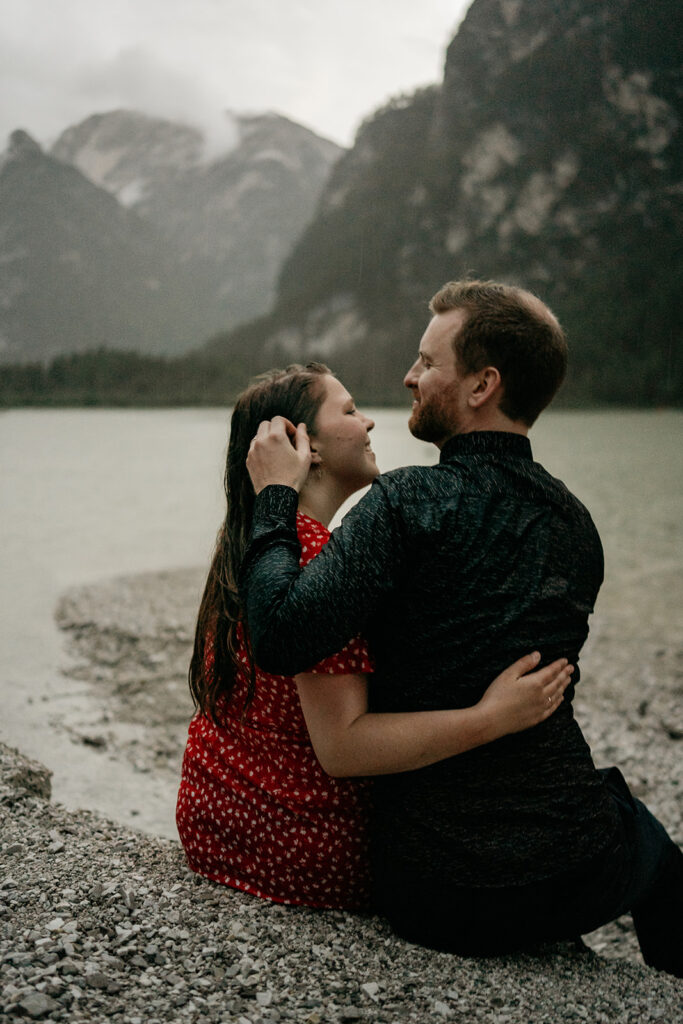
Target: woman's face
{"type": "Point", "coordinates": [341, 442]}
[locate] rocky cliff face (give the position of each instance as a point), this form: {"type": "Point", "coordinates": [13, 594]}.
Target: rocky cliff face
{"type": "Point", "coordinates": [132, 155]}
{"type": "Point", "coordinates": [550, 156]}
{"type": "Point", "coordinates": [136, 233]}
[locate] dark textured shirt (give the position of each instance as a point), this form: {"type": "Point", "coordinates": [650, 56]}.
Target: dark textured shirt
{"type": "Point", "coordinates": [451, 572]}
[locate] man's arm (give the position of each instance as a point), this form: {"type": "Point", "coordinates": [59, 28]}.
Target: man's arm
{"type": "Point", "coordinates": [297, 617]}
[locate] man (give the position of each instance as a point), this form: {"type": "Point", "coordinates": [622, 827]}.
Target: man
{"type": "Point", "coordinates": [453, 571]}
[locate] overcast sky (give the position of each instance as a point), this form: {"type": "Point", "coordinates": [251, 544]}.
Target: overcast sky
{"type": "Point", "coordinates": [323, 63]}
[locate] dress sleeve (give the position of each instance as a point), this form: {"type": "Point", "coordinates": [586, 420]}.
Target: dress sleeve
{"type": "Point", "coordinates": [298, 616]}
{"type": "Point", "coordinates": [353, 659]}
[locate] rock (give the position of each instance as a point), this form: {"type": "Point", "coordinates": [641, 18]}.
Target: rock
{"type": "Point", "coordinates": [37, 1004]}
{"type": "Point", "coordinates": [21, 776]}
{"type": "Point", "coordinates": [97, 741]}
{"type": "Point", "coordinates": [67, 966]}
{"type": "Point", "coordinates": [97, 979]}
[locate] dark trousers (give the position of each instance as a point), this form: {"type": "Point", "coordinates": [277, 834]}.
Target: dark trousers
{"type": "Point", "coordinates": [640, 872]}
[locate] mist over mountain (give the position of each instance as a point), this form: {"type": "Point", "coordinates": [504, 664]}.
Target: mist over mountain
{"type": "Point", "coordinates": [137, 233]}
{"type": "Point", "coordinates": [235, 205]}
{"type": "Point", "coordinates": [551, 156]}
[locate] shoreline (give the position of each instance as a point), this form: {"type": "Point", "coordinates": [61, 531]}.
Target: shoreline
{"type": "Point", "coordinates": [128, 641]}
{"type": "Point", "coordinates": [98, 921]}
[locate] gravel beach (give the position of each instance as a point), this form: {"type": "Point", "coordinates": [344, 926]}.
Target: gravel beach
{"type": "Point", "coordinates": [100, 921]}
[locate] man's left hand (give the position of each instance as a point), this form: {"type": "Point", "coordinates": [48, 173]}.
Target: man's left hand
{"type": "Point", "coordinates": [280, 453]}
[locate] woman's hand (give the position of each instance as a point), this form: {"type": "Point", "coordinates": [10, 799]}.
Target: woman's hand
{"type": "Point", "coordinates": [280, 453]}
{"type": "Point", "coordinates": [519, 697]}
{"type": "Point", "coordinates": [348, 740]}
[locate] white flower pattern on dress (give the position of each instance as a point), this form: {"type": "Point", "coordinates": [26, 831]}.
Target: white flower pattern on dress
{"type": "Point", "coordinates": [255, 810]}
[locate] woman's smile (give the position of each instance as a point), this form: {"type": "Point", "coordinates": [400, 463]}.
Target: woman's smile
{"type": "Point", "coordinates": [341, 444]}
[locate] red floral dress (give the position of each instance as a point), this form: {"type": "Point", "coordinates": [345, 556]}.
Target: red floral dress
{"type": "Point", "coordinates": [255, 809]}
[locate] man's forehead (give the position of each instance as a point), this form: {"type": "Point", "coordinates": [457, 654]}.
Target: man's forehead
{"type": "Point", "coordinates": [437, 341]}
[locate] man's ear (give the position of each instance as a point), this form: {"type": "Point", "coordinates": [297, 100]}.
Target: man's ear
{"type": "Point", "coordinates": [316, 459]}
{"type": "Point", "coordinates": [486, 387]}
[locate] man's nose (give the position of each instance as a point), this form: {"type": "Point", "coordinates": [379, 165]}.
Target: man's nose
{"type": "Point", "coordinates": [369, 424]}
{"type": "Point", "coordinates": [410, 379]}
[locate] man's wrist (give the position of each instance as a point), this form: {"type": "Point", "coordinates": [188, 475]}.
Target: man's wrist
{"type": "Point", "coordinates": [276, 501]}
{"type": "Point", "coordinates": [276, 483]}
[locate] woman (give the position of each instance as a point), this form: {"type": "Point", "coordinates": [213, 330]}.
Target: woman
{"type": "Point", "coordinates": [257, 809]}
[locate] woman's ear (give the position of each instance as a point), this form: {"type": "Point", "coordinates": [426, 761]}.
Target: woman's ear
{"type": "Point", "coordinates": [315, 457]}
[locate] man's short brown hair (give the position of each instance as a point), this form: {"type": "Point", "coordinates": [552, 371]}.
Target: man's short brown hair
{"type": "Point", "coordinates": [511, 329]}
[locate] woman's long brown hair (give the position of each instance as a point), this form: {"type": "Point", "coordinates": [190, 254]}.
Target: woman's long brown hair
{"type": "Point", "coordinates": [297, 393]}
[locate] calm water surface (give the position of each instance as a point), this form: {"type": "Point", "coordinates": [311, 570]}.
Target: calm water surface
{"type": "Point", "coordinates": [88, 494]}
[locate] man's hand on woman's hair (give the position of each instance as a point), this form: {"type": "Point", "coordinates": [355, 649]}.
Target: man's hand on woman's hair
{"type": "Point", "coordinates": [280, 453]}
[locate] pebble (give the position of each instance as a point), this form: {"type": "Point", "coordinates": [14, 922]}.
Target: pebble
{"type": "Point", "coordinates": [371, 988]}
{"type": "Point", "coordinates": [96, 979]}
{"type": "Point", "coordinates": [37, 1004]}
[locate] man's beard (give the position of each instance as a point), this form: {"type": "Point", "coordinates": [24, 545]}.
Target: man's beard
{"type": "Point", "coordinates": [434, 421]}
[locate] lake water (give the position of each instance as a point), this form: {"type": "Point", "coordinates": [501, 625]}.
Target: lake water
{"type": "Point", "coordinates": [89, 494]}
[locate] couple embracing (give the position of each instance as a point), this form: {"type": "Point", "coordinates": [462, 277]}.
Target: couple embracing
{"type": "Point", "coordinates": [487, 828]}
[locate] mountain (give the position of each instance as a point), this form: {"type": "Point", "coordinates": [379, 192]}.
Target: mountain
{"type": "Point", "coordinates": [234, 203]}
{"type": "Point", "coordinates": [550, 156]}
{"type": "Point", "coordinates": [132, 155]}
{"type": "Point", "coordinates": [135, 233]}
{"type": "Point", "coordinates": [79, 271]}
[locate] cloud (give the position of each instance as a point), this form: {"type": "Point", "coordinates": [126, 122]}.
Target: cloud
{"type": "Point", "coordinates": [324, 64]}
{"type": "Point", "coordinates": [136, 80]}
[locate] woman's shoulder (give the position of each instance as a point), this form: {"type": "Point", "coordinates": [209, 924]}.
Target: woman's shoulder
{"type": "Point", "coordinates": [312, 536]}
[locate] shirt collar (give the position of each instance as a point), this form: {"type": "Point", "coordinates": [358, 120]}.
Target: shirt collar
{"type": "Point", "coordinates": [487, 442]}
